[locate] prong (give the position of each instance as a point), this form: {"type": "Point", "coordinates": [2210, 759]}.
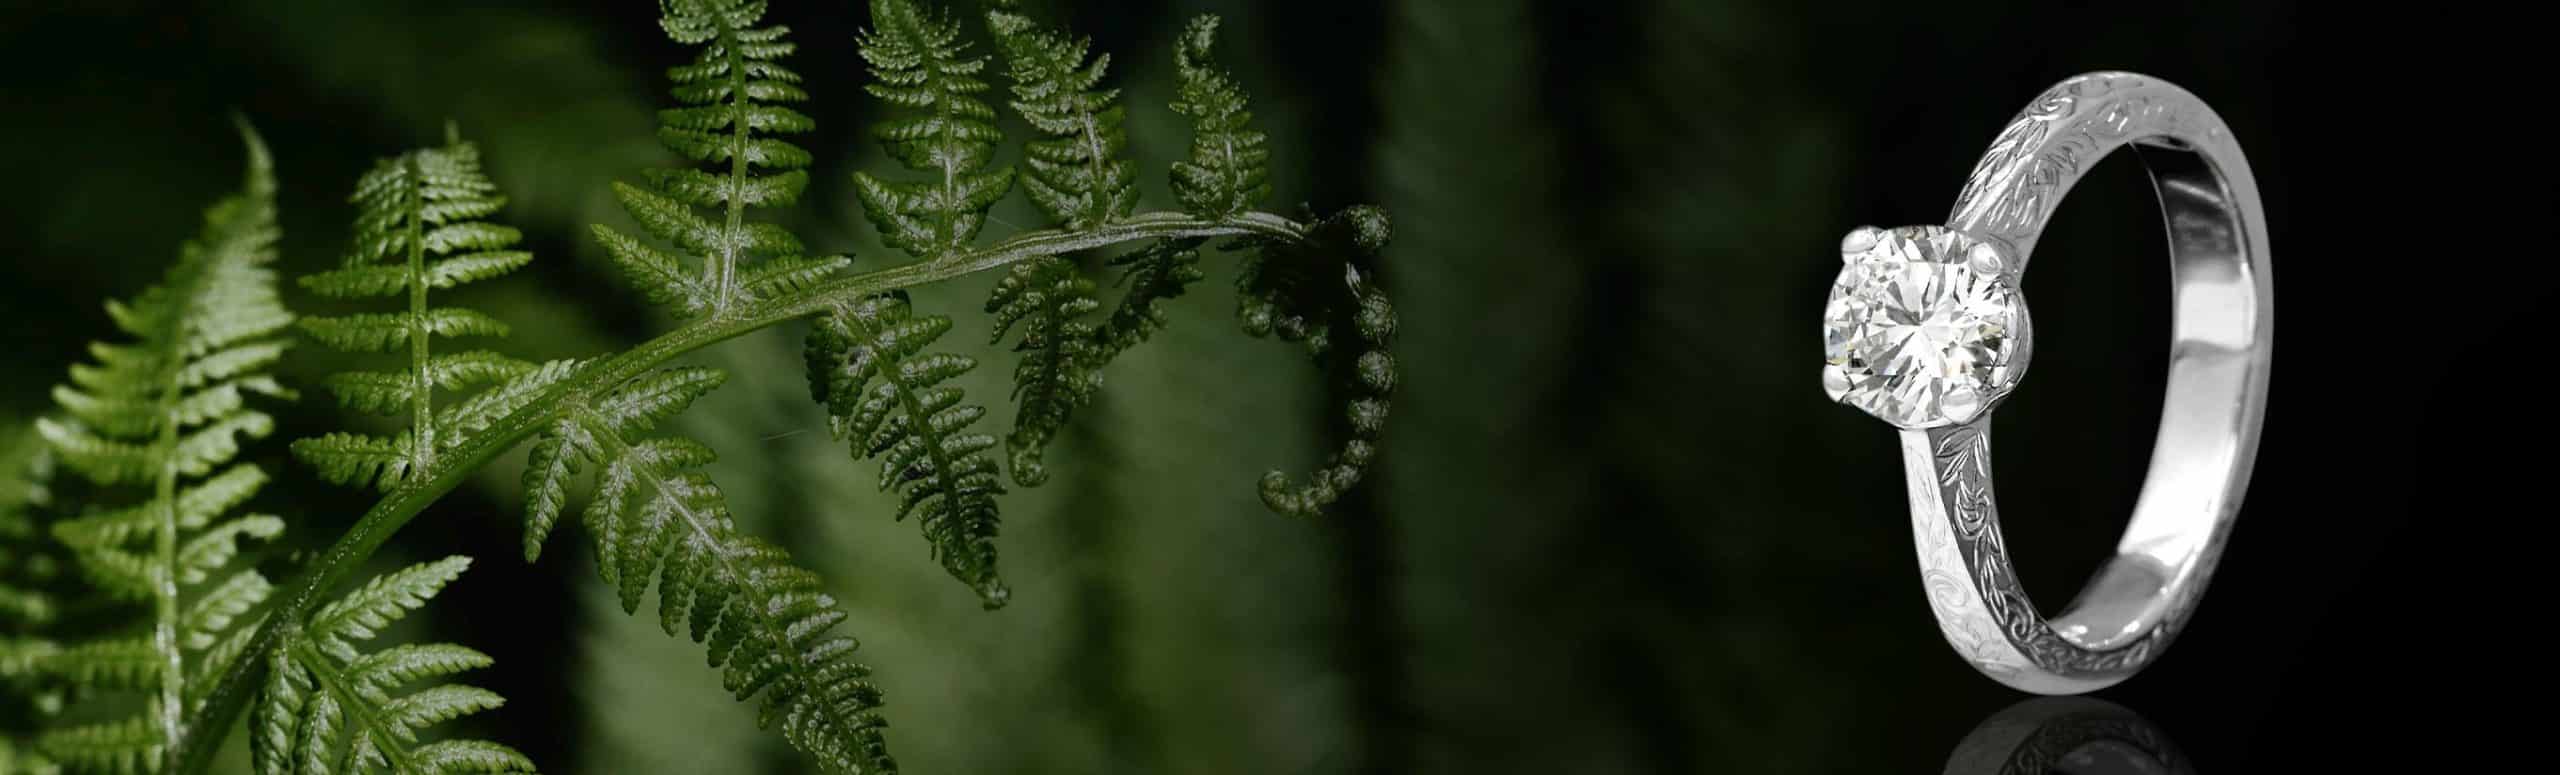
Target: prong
{"type": "Point", "coordinates": [1984, 258]}
{"type": "Point", "coordinates": [1860, 240]}
{"type": "Point", "coordinates": [1961, 403]}
{"type": "Point", "coordinates": [1835, 383]}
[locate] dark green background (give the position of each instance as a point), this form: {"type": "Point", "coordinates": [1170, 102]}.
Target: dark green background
{"type": "Point", "coordinates": [1617, 528]}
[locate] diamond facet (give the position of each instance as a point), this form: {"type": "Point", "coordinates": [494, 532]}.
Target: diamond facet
{"type": "Point", "coordinates": [1917, 333]}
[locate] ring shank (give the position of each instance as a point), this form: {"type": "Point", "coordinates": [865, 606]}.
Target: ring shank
{"type": "Point", "coordinates": [2210, 419]}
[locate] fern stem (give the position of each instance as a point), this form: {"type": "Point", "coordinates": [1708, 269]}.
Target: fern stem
{"type": "Point", "coordinates": [723, 278]}
{"type": "Point", "coordinates": [172, 707]}
{"type": "Point", "coordinates": [341, 561]}
{"type": "Point", "coordinates": [423, 453]}
{"type": "Point", "coordinates": [164, 584]}
{"type": "Point", "coordinates": [1096, 162]}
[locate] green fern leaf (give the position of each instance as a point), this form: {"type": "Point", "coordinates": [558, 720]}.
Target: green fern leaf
{"type": "Point", "coordinates": [919, 65]}
{"type": "Point", "coordinates": [1160, 272]}
{"type": "Point", "coordinates": [788, 275]}
{"type": "Point", "coordinates": [1060, 364]}
{"type": "Point", "coordinates": [376, 392]}
{"type": "Point", "coordinates": [388, 332]}
{"type": "Point", "coordinates": [458, 423]}
{"type": "Point", "coordinates": [656, 518]}
{"type": "Point", "coordinates": [120, 664]}
{"type": "Point", "coordinates": [652, 398]}
{"type": "Point", "coordinates": [652, 271]}
{"type": "Point", "coordinates": [128, 745]}
{"type": "Point", "coordinates": [358, 460]}
{"type": "Point", "coordinates": [36, 586]}
{"type": "Point", "coordinates": [103, 460]}
{"type": "Point", "coordinates": [1063, 355]}
{"type": "Point", "coordinates": [418, 228]}
{"type": "Point", "coordinates": [329, 707]}
{"type": "Point", "coordinates": [1303, 292]}
{"type": "Point", "coordinates": [363, 613]}
{"type": "Point", "coordinates": [387, 393]}
{"type": "Point", "coordinates": [214, 547]}
{"type": "Point", "coordinates": [732, 93]}
{"type": "Point", "coordinates": [1229, 168]}
{"type": "Point", "coordinates": [868, 365]}
{"type": "Point", "coordinates": [15, 757]}
{"type": "Point", "coordinates": [1079, 173]}
{"type": "Point", "coordinates": [160, 415]}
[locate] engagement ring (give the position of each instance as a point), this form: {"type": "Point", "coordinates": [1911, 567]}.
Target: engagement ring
{"type": "Point", "coordinates": [1926, 329]}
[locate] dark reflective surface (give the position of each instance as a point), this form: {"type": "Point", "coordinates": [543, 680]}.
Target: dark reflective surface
{"type": "Point", "coordinates": [2068, 735]}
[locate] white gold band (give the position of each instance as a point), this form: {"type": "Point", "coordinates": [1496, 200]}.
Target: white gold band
{"type": "Point", "coordinates": [2209, 425]}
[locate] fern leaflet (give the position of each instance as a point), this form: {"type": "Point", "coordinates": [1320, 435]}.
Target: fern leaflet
{"type": "Point", "coordinates": [418, 229]}
{"type": "Point", "coordinates": [1060, 365]}
{"type": "Point", "coordinates": [1159, 272]}
{"type": "Point", "coordinates": [733, 95]}
{"type": "Point", "coordinates": [1078, 171]}
{"type": "Point", "coordinates": [655, 517]}
{"type": "Point", "coordinates": [891, 398]}
{"type": "Point", "coordinates": [1229, 169]}
{"type": "Point", "coordinates": [159, 416]}
{"type": "Point", "coordinates": [329, 708]}
{"type": "Point", "coordinates": [920, 65]}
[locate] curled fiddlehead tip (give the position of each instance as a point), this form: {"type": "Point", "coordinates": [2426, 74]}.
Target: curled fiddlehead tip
{"type": "Point", "coordinates": [1301, 291]}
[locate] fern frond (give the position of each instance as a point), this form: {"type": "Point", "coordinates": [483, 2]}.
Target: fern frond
{"type": "Point", "coordinates": [1061, 361]}
{"type": "Point", "coordinates": [329, 707]}
{"type": "Point", "coordinates": [868, 365]}
{"type": "Point", "coordinates": [418, 228]}
{"type": "Point", "coordinates": [1079, 172]}
{"type": "Point", "coordinates": [656, 518]}
{"type": "Point", "coordinates": [734, 94]}
{"type": "Point", "coordinates": [129, 745]}
{"type": "Point", "coordinates": [919, 65]}
{"type": "Point", "coordinates": [1229, 168]}
{"type": "Point", "coordinates": [1305, 292]}
{"type": "Point", "coordinates": [30, 568]}
{"type": "Point", "coordinates": [1161, 271]}
{"type": "Point", "coordinates": [160, 415]}
{"type": "Point", "coordinates": [35, 589]}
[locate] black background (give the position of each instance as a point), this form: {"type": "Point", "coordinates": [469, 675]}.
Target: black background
{"type": "Point", "coordinates": [1619, 529]}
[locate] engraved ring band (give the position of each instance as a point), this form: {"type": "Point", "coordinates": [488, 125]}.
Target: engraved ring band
{"type": "Point", "coordinates": [1926, 329]}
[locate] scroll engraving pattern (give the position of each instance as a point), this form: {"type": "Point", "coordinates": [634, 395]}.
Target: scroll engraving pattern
{"type": "Point", "coordinates": [2034, 160]}
{"type": "Point", "coordinates": [1970, 630]}
{"type": "Point", "coordinates": [1963, 462]}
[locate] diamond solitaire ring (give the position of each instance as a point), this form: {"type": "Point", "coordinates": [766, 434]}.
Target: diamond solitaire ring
{"type": "Point", "coordinates": [1926, 329]}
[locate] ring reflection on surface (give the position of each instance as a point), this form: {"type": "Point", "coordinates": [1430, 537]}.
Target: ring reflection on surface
{"type": "Point", "coordinates": [2075, 735]}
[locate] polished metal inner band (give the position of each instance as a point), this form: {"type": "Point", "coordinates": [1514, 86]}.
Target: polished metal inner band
{"type": "Point", "coordinates": [2209, 424]}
